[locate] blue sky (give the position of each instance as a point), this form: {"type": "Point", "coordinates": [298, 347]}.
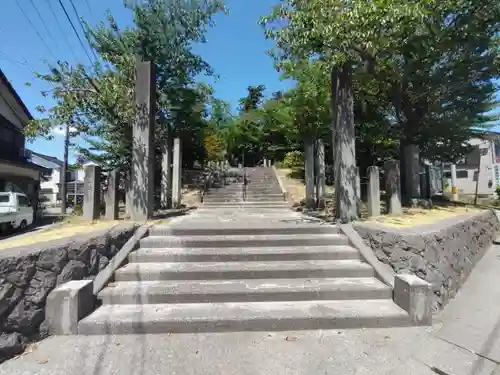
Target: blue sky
{"type": "Point", "coordinates": [236, 48]}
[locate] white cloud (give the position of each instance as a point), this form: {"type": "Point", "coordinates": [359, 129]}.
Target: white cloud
{"type": "Point", "coordinates": [61, 130]}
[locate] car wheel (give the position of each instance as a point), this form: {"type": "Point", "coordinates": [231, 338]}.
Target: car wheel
{"type": "Point", "coordinates": [23, 225]}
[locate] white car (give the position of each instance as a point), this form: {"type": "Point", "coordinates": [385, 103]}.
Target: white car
{"type": "Point", "coordinates": [15, 211]}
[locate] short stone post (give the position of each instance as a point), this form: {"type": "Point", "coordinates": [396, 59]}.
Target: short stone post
{"type": "Point", "coordinates": [176, 174]}
{"type": "Point", "coordinates": [111, 197]}
{"type": "Point", "coordinates": [393, 187]}
{"type": "Point", "coordinates": [92, 194]}
{"type": "Point", "coordinates": [373, 191]}
{"type": "Point", "coordinates": [67, 304]}
{"type": "Point", "coordinates": [414, 295]}
{"type": "Point", "coordinates": [143, 152]}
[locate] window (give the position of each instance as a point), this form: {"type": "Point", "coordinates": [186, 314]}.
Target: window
{"type": "Point", "coordinates": [447, 174]}
{"type": "Point", "coordinates": [483, 151]}
{"type": "Point", "coordinates": [462, 174]}
{"type": "Point", "coordinates": [4, 198]}
{"type": "Point", "coordinates": [23, 201]}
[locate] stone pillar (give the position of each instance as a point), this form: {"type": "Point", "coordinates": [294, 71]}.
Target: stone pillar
{"type": "Point", "coordinates": [393, 187]}
{"type": "Point", "coordinates": [166, 174]}
{"type": "Point", "coordinates": [373, 191]}
{"type": "Point", "coordinates": [176, 174]}
{"type": "Point", "coordinates": [92, 193]}
{"type": "Point", "coordinates": [111, 197]}
{"type": "Point", "coordinates": [358, 192]}
{"type": "Point", "coordinates": [67, 304]}
{"type": "Point", "coordinates": [143, 157]}
{"type": "Point", "coordinates": [309, 171]}
{"type": "Point", "coordinates": [414, 295]}
{"type": "Point", "coordinates": [412, 171]}
{"type": "Point", "coordinates": [454, 193]}
{"type": "Point", "coordinates": [320, 173]}
{"type": "Point", "coordinates": [425, 182]}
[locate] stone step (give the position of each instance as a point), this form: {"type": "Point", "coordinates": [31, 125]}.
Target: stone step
{"type": "Point", "coordinates": [243, 316]}
{"type": "Point", "coordinates": [261, 198]}
{"type": "Point", "coordinates": [243, 270]}
{"type": "Point", "coordinates": [252, 290]}
{"type": "Point", "coordinates": [247, 254]}
{"type": "Point", "coordinates": [245, 240]}
{"type": "Point", "coordinates": [263, 204]}
{"type": "Point", "coordinates": [239, 229]}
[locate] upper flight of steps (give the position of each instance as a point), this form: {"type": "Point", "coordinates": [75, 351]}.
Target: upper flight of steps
{"type": "Point", "coordinates": [263, 191]}
{"type": "Point", "coordinates": [199, 280]}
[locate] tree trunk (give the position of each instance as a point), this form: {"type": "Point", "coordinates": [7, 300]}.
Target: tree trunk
{"type": "Point", "coordinates": [320, 173]}
{"type": "Point", "coordinates": [344, 144]}
{"type": "Point", "coordinates": [309, 172]}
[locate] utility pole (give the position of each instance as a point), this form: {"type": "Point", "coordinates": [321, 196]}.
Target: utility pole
{"type": "Point", "coordinates": [64, 170]}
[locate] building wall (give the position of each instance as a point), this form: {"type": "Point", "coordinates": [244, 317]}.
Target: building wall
{"type": "Point", "coordinates": [49, 188]}
{"type": "Point", "coordinates": [10, 108]}
{"type": "Point", "coordinates": [467, 171]}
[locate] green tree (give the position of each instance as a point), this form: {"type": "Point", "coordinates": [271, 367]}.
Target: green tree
{"type": "Point", "coordinates": [100, 103]}
{"type": "Point", "coordinates": [345, 34]}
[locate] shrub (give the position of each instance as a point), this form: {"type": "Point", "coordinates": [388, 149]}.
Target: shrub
{"type": "Point", "coordinates": [293, 159]}
{"type": "Point", "coordinates": [497, 191]}
{"type": "Point", "coordinates": [78, 210]}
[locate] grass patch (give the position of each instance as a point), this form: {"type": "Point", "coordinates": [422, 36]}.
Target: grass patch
{"type": "Point", "coordinates": [419, 216]}
{"type": "Point", "coordinates": [67, 228]}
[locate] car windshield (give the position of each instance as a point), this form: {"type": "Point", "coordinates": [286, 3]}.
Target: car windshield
{"type": "Point", "coordinates": [4, 198]}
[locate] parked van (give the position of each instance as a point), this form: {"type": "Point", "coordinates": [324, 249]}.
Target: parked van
{"type": "Point", "coordinates": [15, 211]}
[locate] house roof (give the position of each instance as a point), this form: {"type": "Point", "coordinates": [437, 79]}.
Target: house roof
{"type": "Point", "coordinates": [14, 93]}
{"type": "Point", "coordinates": [48, 158]}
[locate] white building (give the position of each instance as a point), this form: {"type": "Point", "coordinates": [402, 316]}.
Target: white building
{"type": "Point", "coordinates": [50, 186]}
{"type": "Point", "coordinates": [481, 167]}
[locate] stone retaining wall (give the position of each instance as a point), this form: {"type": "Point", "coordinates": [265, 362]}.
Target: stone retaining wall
{"type": "Point", "coordinates": [28, 274]}
{"type": "Point", "coordinates": [442, 253]}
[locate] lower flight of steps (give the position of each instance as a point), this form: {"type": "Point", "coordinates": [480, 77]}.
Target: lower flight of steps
{"type": "Point", "coordinates": [197, 280]}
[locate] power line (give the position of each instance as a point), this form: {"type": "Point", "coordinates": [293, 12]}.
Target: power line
{"type": "Point", "coordinates": [43, 23]}
{"type": "Point", "coordinates": [81, 27]}
{"type": "Point", "coordinates": [76, 32]}
{"type": "Point", "coordinates": [36, 31]}
{"type": "Point", "coordinates": [63, 33]}
{"type": "Point", "coordinates": [88, 6]}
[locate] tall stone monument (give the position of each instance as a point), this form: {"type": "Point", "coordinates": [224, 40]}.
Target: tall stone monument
{"type": "Point", "coordinates": [111, 197]}
{"type": "Point", "coordinates": [166, 174]}
{"type": "Point", "coordinates": [320, 173]}
{"type": "Point", "coordinates": [92, 192]}
{"type": "Point", "coordinates": [176, 174]}
{"type": "Point", "coordinates": [143, 157]}
{"type": "Point", "coordinates": [393, 187]}
{"type": "Point", "coordinates": [373, 191]}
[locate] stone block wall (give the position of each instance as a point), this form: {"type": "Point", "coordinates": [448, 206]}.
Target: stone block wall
{"type": "Point", "coordinates": [28, 274]}
{"type": "Point", "coordinates": [442, 253]}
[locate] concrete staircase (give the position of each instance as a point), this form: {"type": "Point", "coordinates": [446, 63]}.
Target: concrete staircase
{"type": "Point", "coordinates": [263, 191]}
{"type": "Point", "coordinates": [228, 270]}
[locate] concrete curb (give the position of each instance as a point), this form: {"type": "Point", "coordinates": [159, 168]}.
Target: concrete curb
{"type": "Point", "coordinates": [280, 182]}
{"type": "Point", "coordinates": [383, 271]}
